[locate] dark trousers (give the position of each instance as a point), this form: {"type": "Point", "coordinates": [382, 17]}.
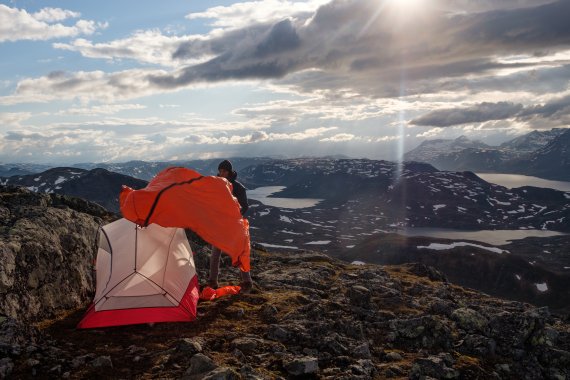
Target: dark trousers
{"type": "Point", "coordinates": [215, 268]}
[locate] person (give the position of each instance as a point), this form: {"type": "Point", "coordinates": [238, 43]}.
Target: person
{"type": "Point", "coordinates": [225, 170]}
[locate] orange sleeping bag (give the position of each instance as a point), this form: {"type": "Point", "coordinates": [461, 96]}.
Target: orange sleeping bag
{"type": "Point", "coordinates": [180, 197]}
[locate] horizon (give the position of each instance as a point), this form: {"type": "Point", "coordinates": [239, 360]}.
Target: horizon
{"type": "Point", "coordinates": [267, 156]}
{"type": "Point", "coordinates": [361, 78]}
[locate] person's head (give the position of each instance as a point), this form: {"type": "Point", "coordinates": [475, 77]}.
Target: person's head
{"type": "Point", "coordinates": [225, 169]}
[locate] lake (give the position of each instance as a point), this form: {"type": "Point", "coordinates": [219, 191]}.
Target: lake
{"type": "Point", "coordinates": [517, 180]}
{"type": "Point", "coordinates": [493, 237]}
{"type": "Point", "coordinates": [262, 194]}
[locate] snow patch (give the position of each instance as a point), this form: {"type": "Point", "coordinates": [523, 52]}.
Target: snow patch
{"type": "Point", "coordinates": [356, 262]}
{"type": "Point", "coordinates": [518, 277]}
{"type": "Point", "coordinates": [319, 242]}
{"type": "Point", "coordinates": [437, 207]}
{"type": "Point", "coordinates": [60, 180]}
{"type": "Point", "coordinates": [542, 287]}
{"type": "Point", "coordinates": [267, 245]}
{"type": "Point", "coordinates": [285, 219]}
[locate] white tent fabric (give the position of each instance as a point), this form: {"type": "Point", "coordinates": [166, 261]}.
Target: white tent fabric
{"type": "Point", "coordinates": [151, 269]}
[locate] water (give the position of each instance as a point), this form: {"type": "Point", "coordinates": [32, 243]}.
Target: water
{"type": "Point", "coordinates": [493, 237]}
{"type": "Point", "coordinates": [262, 194]}
{"type": "Point", "coordinates": [517, 180]}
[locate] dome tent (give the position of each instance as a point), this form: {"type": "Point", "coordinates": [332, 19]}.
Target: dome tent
{"type": "Point", "coordinates": [143, 275]}
{"type": "Point", "coordinates": [145, 268]}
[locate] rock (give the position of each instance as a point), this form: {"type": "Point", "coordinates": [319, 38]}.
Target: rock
{"type": "Point", "coordinates": [132, 349]}
{"type": "Point", "coordinates": [302, 366]}
{"type": "Point", "coordinates": [200, 364]}
{"type": "Point", "coordinates": [102, 361]}
{"type": "Point", "coordinates": [363, 367]}
{"type": "Point", "coordinates": [278, 333]}
{"type": "Point", "coordinates": [427, 271]}
{"type": "Point", "coordinates": [470, 320]}
{"type": "Point", "coordinates": [32, 362]}
{"type": "Point", "coordinates": [359, 296]}
{"type": "Point", "coordinates": [393, 356]}
{"type": "Point", "coordinates": [221, 373]}
{"type": "Point", "coordinates": [268, 312]}
{"type": "Point", "coordinates": [246, 345]}
{"type": "Point", "coordinates": [6, 367]}
{"type": "Point", "coordinates": [362, 351]}
{"type": "Point", "coordinates": [511, 330]}
{"type": "Point", "coordinates": [81, 360]}
{"type": "Point", "coordinates": [248, 373]}
{"type": "Point", "coordinates": [47, 254]}
{"type": "Point", "coordinates": [189, 347]}
{"type": "Point", "coordinates": [432, 366]}
{"type": "Point", "coordinates": [477, 345]}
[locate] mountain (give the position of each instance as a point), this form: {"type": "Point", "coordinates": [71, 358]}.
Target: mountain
{"type": "Point", "coordinates": [538, 153]}
{"type": "Point", "coordinates": [361, 197]}
{"type": "Point", "coordinates": [145, 170]}
{"type": "Point", "coordinates": [430, 150]}
{"type": "Point", "coordinates": [551, 161]}
{"type": "Point", "coordinates": [309, 316]}
{"type": "Point", "coordinates": [8, 170]}
{"type": "Point", "coordinates": [97, 185]}
{"type": "Point", "coordinates": [532, 141]}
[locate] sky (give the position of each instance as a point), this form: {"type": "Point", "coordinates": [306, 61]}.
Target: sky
{"type": "Point", "coordinates": [85, 81]}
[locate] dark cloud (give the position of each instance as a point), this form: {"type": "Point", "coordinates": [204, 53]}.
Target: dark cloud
{"type": "Point", "coordinates": [476, 114]}
{"type": "Point", "coordinates": [365, 49]}
{"type": "Point", "coordinates": [557, 110]}
{"type": "Point", "coordinates": [281, 38]}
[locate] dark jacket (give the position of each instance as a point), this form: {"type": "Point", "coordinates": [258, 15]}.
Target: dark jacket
{"type": "Point", "coordinates": [239, 192]}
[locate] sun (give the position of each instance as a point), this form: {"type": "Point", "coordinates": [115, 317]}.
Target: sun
{"type": "Point", "coordinates": [406, 4]}
{"type": "Point", "coordinates": [407, 11]}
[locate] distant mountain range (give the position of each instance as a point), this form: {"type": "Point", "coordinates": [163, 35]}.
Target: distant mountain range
{"type": "Point", "coordinates": [98, 185]}
{"type": "Point", "coordinates": [544, 154]}
{"type": "Point", "coordinates": [146, 170]}
{"type": "Point", "coordinates": [7, 170]}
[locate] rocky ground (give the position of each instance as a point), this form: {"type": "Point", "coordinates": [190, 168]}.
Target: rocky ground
{"type": "Point", "coordinates": [310, 316]}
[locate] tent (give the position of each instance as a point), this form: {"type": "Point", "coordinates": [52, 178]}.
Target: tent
{"type": "Point", "coordinates": [143, 275]}
{"type": "Point", "coordinates": [181, 197]}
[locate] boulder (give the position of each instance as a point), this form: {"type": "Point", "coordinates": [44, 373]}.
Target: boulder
{"type": "Point", "coordinates": [302, 366]}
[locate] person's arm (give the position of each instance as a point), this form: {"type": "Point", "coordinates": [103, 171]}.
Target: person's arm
{"type": "Point", "coordinates": [242, 198]}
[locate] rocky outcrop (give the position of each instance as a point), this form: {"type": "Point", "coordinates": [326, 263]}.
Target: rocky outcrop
{"type": "Point", "coordinates": [47, 246]}
{"type": "Point", "coordinates": [311, 316]}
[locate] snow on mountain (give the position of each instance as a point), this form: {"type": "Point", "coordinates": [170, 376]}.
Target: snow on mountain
{"type": "Point", "coordinates": [429, 150]}
{"type": "Point", "coordinates": [97, 185]}
{"type": "Point", "coordinates": [532, 141]}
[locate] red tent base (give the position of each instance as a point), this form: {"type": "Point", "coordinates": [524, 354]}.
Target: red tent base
{"type": "Point", "coordinates": [184, 312]}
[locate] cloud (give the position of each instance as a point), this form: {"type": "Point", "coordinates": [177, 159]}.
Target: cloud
{"type": "Point", "coordinates": [13, 118]}
{"type": "Point", "coordinates": [244, 14]}
{"type": "Point", "coordinates": [146, 46]}
{"type": "Point", "coordinates": [328, 50]}
{"type": "Point", "coordinates": [556, 110]}
{"type": "Point", "coordinates": [54, 14]}
{"type": "Point", "coordinates": [474, 114]}
{"type": "Point", "coordinates": [18, 24]}
{"type": "Point", "coordinates": [341, 137]}
{"type": "Point", "coordinates": [104, 109]}
{"type": "Point", "coordinates": [259, 136]}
